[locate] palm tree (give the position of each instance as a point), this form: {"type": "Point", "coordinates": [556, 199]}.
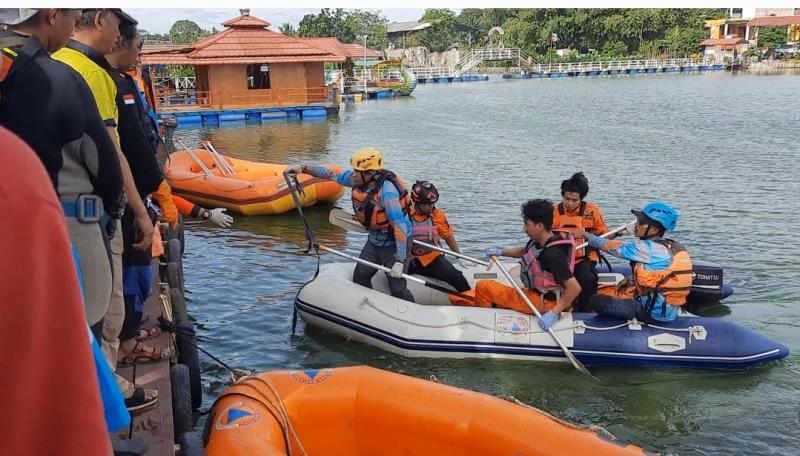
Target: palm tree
{"type": "Point", "coordinates": [288, 29]}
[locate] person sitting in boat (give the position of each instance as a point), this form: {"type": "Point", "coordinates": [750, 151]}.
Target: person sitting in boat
{"type": "Point", "coordinates": [662, 269]}
{"type": "Point", "coordinates": [381, 203]}
{"type": "Point", "coordinates": [430, 225]}
{"type": "Point", "coordinates": [574, 212]}
{"type": "Point", "coordinates": [547, 263]}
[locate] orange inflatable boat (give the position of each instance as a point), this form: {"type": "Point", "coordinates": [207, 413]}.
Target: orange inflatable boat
{"type": "Point", "coordinates": [249, 188]}
{"type": "Point", "coordinates": [367, 411]}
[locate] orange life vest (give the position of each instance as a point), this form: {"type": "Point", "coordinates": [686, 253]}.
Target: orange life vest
{"type": "Point", "coordinates": [674, 283]}
{"type": "Point", "coordinates": [424, 230]}
{"type": "Point", "coordinates": [571, 223]}
{"type": "Point", "coordinates": [367, 205]}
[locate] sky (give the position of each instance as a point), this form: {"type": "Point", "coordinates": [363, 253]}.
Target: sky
{"type": "Point", "coordinates": [159, 20]}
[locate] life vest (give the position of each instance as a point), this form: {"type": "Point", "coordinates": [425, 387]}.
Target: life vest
{"type": "Point", "coordinates": [674, 283]}
{"type": "Point", "coordinates": [571, 223]}
{"type": "Point", "coordinates": [367, 205]}
{"type": "Point", "coordinates": [424, 231]}
{"type": "Point", "coordinates": [532, 274]}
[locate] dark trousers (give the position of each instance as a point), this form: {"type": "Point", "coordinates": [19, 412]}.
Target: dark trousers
{"type": "Point", "coordinates": [586, 275]}
{"type": "Point", "coordinates": [383, 256]}
{"type": "Point", "coordinates": [443, 270]}
{"type": "Point", "coordinates": [625, 309]}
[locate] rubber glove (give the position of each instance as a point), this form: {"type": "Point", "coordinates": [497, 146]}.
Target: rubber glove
{"type": "Point", "coordinates": [219, 217]}
{"type": "Point", "coordinates": [295, 169]}
{"type": "Point", "coordinates": [466, 264]}
{"type": "Point", "coordinates": [547, 320]}
{"type": "Point", "coordinates": [494, 251]}
{"type": "Point", "coordinates": [397, 270]}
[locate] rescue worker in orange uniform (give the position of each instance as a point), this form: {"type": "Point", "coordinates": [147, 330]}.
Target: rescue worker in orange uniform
{"type": "Point", "coordinates": [381, 203]}
{"type": "Point", "coordinates": [574, 213]}
{"type": "Point", "coordinates": [662, 269]}
{"type": "Point", "coordinates": [429, 224]}
{"type": "Point", "coordinates": [547, 261]}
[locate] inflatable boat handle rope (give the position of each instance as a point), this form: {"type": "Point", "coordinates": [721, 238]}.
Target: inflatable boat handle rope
{"type": "Point", "coordinates": [287, 428]}
{"type": "Point", "coordinates": [692, 330]}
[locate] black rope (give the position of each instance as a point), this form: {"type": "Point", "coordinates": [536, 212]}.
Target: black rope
{"type": "Point", "coordinates": [189, 332]}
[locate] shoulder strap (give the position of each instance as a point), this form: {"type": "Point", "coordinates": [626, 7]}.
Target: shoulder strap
{"type": "Point", "coordinates": [582, 208]}
{"type": "Point", "coordinates": [561, 209]}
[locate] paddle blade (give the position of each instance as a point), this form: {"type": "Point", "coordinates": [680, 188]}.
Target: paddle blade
{"type": "Point", "coordinates": [343, 219]}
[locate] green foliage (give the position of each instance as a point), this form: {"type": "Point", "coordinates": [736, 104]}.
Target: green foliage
{"type": "Point", "coordinates": [772, 37]}
{"type": "Point", "coordinates": [610, 32]}
{"type": "Point", "coordinates": [185, 31]}
{"type": "Point", "coordinates": [287, 29]}
{"type": "Point", "coordinates": [345, 25]}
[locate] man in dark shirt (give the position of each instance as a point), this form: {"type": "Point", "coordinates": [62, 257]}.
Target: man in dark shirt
{"type": "Point", "coordinates": [547, 264]}
{"type": "Point", "coordinates": [50, 107]}
{"type": "Point", "coordinates": [138, 144]}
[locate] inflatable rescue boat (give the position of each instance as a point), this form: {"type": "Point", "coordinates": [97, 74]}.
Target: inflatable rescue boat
{"type": "Point", "coordinates": [434, 328]}
{"type": "Point", "coordinates": [249, 188]}
{"type": "Point", "coordinates": [366, 411]}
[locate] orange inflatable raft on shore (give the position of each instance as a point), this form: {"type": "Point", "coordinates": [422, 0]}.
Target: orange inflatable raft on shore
{"type": "Point", "coordinates": [249, 188]}
{"type": "Point", "coordinates": [366, 411]}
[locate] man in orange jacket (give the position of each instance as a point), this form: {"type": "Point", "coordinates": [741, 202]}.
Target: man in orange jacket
{"type": "Point", "coordinates": [572, 214]}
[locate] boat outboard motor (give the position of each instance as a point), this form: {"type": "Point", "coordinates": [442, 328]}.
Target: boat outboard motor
{"type": "Point", "coordinates": [706, 282]}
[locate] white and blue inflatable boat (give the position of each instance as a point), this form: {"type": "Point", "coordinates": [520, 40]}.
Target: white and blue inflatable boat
{"type": "Point", "coordinates": [434, 328]}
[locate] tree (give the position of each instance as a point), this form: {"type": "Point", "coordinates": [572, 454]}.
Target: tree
{"type": "Point", "coordinates": [287, 29]}
{"type": "Point", "coordinates": [185, 31]}
{"type": "Point", "coordinates": [772, 37]}
{"type": "Point", "coordinates": [345, 25]}
{"type": "Point", "coordinates": [441, 35]}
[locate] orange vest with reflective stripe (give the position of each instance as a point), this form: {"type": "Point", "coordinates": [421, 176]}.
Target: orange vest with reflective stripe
{"type": "Point", "coordinates": [582, 219]}
{"type": "Point", "coordinates": [674, 283]}
{"type": "Point", "coordinates": [367, 205]}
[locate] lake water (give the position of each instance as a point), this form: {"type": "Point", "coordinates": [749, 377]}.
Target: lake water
{"type": "Point", "coordinates": [724, 149]}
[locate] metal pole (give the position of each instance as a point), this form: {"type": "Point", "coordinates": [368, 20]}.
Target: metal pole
{"type": "Point", "coordinates": [365, 67]}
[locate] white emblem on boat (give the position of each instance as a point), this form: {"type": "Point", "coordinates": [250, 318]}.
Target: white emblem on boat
{"type": "Point", "coordinates": [512, 328]}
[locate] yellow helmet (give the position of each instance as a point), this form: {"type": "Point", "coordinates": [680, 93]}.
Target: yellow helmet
{"type": "Point", "coordinates": [366, 159]}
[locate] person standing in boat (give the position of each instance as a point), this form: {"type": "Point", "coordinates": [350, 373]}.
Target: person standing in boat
{"type": "Point", "coordinates": [662, 269]}
{"type": "Point", "coordinates": [430, 225]}
{"type": "Point", "coordinates": [574, 213]}
{"type": "Point", "coordinates": [547, 262]}
{"type": "Point", "coordinates": [382, 204]}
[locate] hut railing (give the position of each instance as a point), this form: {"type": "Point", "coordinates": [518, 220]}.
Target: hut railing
{"type": "Point", "coordinates": [236, 99]}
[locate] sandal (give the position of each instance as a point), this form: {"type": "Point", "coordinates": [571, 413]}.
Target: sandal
{"type": "Point", "coordinates": [144, 354]}
{"type": "Point", "coordinates": [141, 398]}
{"type": "Point", "coordinates": [145, 334]}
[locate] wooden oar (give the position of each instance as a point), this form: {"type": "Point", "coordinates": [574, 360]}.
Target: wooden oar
{"type": "Point", "coordinates": [387, 270]}
{"type": "Point", "coordinates": [578, 365]}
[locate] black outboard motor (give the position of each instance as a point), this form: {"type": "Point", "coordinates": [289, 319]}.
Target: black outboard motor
{"type": "Point", "coordinates": [706, 282]}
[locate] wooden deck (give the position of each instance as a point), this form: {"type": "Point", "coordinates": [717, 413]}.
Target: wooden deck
{"type": "Point", "coordinates": [153, 424]}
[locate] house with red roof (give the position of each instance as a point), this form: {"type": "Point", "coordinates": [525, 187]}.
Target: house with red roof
{"type": "Point", "coordinates": [246, 66]}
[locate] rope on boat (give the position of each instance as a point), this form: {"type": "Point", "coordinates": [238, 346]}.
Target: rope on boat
{"type": "Point", "coordinates": [278, 402]}
{"type": "Point", "coordinates": [464, 321]}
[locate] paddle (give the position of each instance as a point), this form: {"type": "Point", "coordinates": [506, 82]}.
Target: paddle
{"type": "Point", "coordinates": [578, 365]}
{"type": "Point", "coordinates": [343, 219]}
{"type": "Point", "coordinates": [387, 270]}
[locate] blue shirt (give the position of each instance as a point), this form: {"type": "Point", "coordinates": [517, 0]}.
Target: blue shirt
{"type": "Point", "coordinates": [390, 200]}
{"type": "Point", "coordinates": [651, 256]}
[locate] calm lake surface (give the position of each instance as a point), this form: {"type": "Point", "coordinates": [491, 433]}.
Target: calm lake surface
{"type": "Point", "coordinates": [724, 149]}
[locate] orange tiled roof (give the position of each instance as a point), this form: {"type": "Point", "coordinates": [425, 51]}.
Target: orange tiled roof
{"type": "Point", "coordinates": [246, 40]}
{"type": "Point", "coordinates": [327, 43]}
{"type": "Point", "coordinates": [774, 20]}
{"type": "Point", "coordinates": [722, 41]}
{"type": "Point", "coordinates": [356, 51]}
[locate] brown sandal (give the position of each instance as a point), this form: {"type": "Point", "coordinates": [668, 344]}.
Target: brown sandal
{"type": "Point", "coordinates": [144, 354]}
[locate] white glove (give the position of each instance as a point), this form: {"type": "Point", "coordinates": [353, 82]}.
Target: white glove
{"type": "Point", "coordinates": [397, 270]}
{"type": "Point", "coordinates": [630, 228]}
{"type": "Point", "coordinates": [219, 217]}
{"type": "Point", "coordinates": [294, 169]}
{"type": "Point", "coordinates": [466, 264]}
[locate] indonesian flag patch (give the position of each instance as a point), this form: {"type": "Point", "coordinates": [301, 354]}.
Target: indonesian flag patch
{"type": "Point", "coordinates": [128, 99]}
